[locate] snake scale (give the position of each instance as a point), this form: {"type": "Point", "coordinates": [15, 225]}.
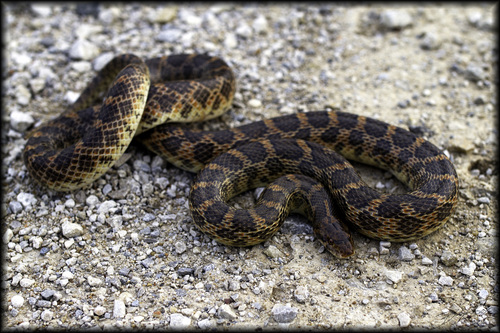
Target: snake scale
{"type": "Point", "coordinates": [296, 156]}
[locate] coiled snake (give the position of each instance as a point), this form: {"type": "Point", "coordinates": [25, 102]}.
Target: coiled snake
{"type": "Point", "coordinates": [294, 153]}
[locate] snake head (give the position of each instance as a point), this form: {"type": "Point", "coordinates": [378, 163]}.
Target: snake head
{"type": "Point", "coordinates": [335, 237]}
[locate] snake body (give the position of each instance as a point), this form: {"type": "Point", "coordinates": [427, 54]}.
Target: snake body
{"type": "Point", "coordinates": [297, 154]}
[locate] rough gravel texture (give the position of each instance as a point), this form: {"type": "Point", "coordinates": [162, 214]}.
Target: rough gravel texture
{"type": "Point", "coordinates": [125, 252]}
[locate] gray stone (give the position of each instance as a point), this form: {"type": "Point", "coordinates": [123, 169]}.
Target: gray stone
{"type": "Point", "coordinates": [47, 294]}
{"type": "Point", "coordinates": [448, 258]}
{"type": "Point", "coordinates": [405, 254]}
{"type": "Point", "coordinates": [15, 207]}
{"type": "Point", "coordinates": [284, 313]}
{"type": "Point", "coordinates": [301, 294]}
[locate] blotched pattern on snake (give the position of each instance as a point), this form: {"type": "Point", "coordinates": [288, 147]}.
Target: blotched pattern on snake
{"type": "Point", "coordinates": [297, 155]}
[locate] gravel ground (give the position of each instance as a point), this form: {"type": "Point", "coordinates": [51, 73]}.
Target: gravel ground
{"type": "Point", "coordinates": [125, 252]}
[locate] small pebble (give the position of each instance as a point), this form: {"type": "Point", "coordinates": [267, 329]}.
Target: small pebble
{"type": "Point", "coordinates": [17, 301]}
{"type": "Point", "coordinates": [119, 309]}
{"type": "Point", "coordinates": [206, 324]}
{"type": "Point", "coordinates": [25, 283]}
{"type": "Point", "coordinates": [71, 229]}
{"type": "Point", "coordinates": [180, 247]}
{"type": "Point", "coordinates": [46, 315]}
{"type": "Point", "coordinates": [47, 294]}
{"type": "Point", "coordinates": [93, 281]}
{"type": "Point", "coordinates": [395, 19]}
{"type": "Point", "coordinates": [445, 281]}
{"type": "Point", "coordinates": [82, 49]}
{"type": "Point", "coordinates": [483, 294]}
{"type": "Point", "coordinates": [394, 276]}
{"type": "Point", "coordinates": [226, 312]}
{"type": "Point", "coordinates": [301, 294]}
{"type": "Point", "coordinates": [448, 258]}
{"type": "Point", "coordinates": [405, 254]}
{"type": "Point", "coordinates": [273, 252]}
{"type": "Point", "coordinates": [404, 319]}
{"type": "Point", "coordinates": [284, 313]}
{"type": "Point", "coordinates": [21, 121]}
{"type": "Point", "coordinates": [426, 261]}
{"type": "Point", "coordinates": [179, 321]}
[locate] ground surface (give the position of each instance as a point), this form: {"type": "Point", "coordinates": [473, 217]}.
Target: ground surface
{"type": "Point", "coordinates": [132, 256]}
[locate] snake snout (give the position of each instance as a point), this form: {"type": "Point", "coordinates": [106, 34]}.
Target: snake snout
{"type": "Point", "coordinates": [335, 237]}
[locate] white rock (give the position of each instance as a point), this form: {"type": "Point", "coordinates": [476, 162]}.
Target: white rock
{"type": "Point", "coordinates": [395, 19]}
{"type": "Point", "coordinates": [92, 200]}
{"type": "Point", "coordinates": [26, 199]}
{"type": "Point", "coordinates": [170, 35]}
{"type": "Point", "coordinates": [41, 9]}
{"type": "Point", "coordinates": [81, 66]}
{"type": "Point", "coordinates": [301, 294]}
{"type": "Point", "coordinates": [254, 103]}
{"type": "Point", "coordinates": [445, 280]}
{"type": "Point", "coordinates": [106, 206]}
{"type": "Point", "coordinates": [284, 313]}
{"type": "Point", "coordinates": [180, 247]}
{"type": "Point", "coordinates": [70, 203]}
{"type": "Point", "coordinates": [71, 229]}
{"type": "Point", "coordinates": [37, 85]}
{"type": "Point", "coordinates": [190, 18]}
{"type": "Point", "coordinates": [7, 236]}
{"type": "Point", "coordinates": [394, 276]}
{"type": "Point", "coordinates": [163, 15]}
{"type": "Point", "coordinates": [93, 281]}
{"type": "Point", "coordinates": [244, 30]}
{"type": "Point", "coordinates": [226, 312]}
{"type": "Point", "coordinates": [47, 315]}
{"type": "Point", "coordinates": [26, 282]}
{"type": "Point", "coordinates": [85, 30]}
{"type": "Point", "coordinates": [99, 310]}
{"type": "Point", "coordinates": [404, 319]}
{"type": "Point", "coordinates": [179, 321]}
{"type": "Point", "coordinates": [83, 49]}
{"type": "Point", "coordinates": [426, 261]}
{"type": "Point", "coordinates": [260, 24]}
{"type": "Point", "coordinates": [67, 275]}
{"type": "Point", "coordinates": [102, 60]}
{"type": "Point", "coordinates": [71, 96]}
{"type": "Point", "coordinates": [230, 42]}
{"type": "Point", "coordinates": [468, 270]}
{"type": "Point", "coordinates": [207, 323]}
{"type": "Point", "coordinates": [21, 121]}
{"type": "Point", "coordinates": [119, 309]}
{"type": "Point", "coordinates": [17, 301]}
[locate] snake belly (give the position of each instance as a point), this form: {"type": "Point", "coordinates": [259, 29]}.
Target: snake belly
{"type": "Point", "coordinates": [74, 149]}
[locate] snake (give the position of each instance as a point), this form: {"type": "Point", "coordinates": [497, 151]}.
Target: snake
{"type": "Point", "coordinates": [301, 158]}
